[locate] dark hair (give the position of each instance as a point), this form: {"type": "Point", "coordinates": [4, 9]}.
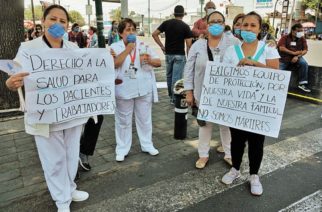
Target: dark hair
{"type": "Point", "coordinates": [227, 28]}
{"type": "Point", "coordinates": [265, 25]}
{"type": "Point", "coordinates": [75, 25]}
{"type": "Point", "coordinates": [39, 26]}
{"type": "Point", "coordinates": [223, 17]}
{"type": "Point", "coordinates": [296, 26]}
{"type": "Point", "coordinates": [259, 18]}
{"type": "Point", "coordinates": [55, 6]}
{"type": "Point", "coordinates": [93, 29]}
{"type": "Point", "coordinates": [123, 23]}
{"type": "Point", "coordinates": [239, 16]}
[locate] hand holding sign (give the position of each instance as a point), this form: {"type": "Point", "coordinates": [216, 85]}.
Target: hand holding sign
{"type": "Point", "coordinates": [16, 81]}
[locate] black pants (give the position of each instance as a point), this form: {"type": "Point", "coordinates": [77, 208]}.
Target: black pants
{"type": "Point", "coordinates": [255, 149]}
{"type": "Point", "coordinates": [89, 138]}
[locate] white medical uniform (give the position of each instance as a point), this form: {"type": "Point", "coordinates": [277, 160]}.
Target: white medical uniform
{"type": "Point", "coordinates": [57, 144]}
{"type": "Point", "coordinates": [134, 94]}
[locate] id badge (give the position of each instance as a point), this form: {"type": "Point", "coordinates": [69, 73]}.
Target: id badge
{"type": "Point", "coordinates": [132, 72]}
{"type": "Point", "coordinates": [293, 43]}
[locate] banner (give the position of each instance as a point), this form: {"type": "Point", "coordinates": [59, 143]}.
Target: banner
{"type": "Point", "coordinates": [246, 98]}
{"type": "Point", "coordinates": [65, 84]}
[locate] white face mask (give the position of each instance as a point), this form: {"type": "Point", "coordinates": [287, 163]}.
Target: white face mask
{"type": "Point", "coordinates": [299, 34]}
{"type": "Point", "coordinates": [210, 10]}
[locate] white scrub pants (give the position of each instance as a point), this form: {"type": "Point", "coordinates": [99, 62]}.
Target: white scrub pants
{"type": "Point", "coordinates": [142, 108]}
{"type": "Point", "coordinates": [59, 159]}
{"type": "Point", "coordinates": [205, 134]}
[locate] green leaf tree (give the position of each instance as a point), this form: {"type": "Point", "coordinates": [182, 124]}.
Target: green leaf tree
{"type": "Point", "coordinates": [38, 13]}
{"type": "Point", "coordinates": [115, 14]}
{"type": "Point", "coordinates": [311, 4]}
{"type": "Point", "coordinates": [76, 17]}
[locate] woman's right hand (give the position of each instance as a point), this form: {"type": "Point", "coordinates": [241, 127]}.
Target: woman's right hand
{"type": "Point", "coordinates": [189, 98]}
{"type": "Point", "coordinates": [16, 81]}
{"type": "Point", "coordinates": [130, 47]}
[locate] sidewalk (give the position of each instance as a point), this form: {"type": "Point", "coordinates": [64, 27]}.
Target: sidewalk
{"type": "Point", "coordinates": [21, 175]}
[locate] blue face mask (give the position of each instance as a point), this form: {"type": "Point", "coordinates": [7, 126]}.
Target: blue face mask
{"type": "Point", "coordinates": [131, 38]}
{"type": "Point", "coordinates": [248, 36]}
{"type": "Point", "coordinates": [237, 31]}
{"type": "Point", "coordinates": [216, 29]}
{"type": "Point", "coordinates": [56, 30]}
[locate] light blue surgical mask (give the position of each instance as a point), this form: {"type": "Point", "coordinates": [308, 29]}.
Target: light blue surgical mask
{"type": "Point", "coordinates": [131, 38]}
{"type": "Point", "coordinates": [216, 29]}
{"type": "Point", "coordinates": [237, 31]}
{"type": "Point", "coordinates": [56, 30]}
{"type": "Point", "coordinates": [248, 36]}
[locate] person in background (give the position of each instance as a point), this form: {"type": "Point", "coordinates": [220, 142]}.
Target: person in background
{"type": "Point", "coordinates": [92, 41]}
{"type": "Point", "coordinates": [251, 52]}
{"type": "Point", "coordinates": [135, 90]}
{"type": "Point", "coordinates": [237, 25]}
{"type": "Point", "coordinates": [76, 36]}
{"type": "Point", "coordinates": [265, 36]}
{"type": "Point", "coordinates": [113, 37]}
{"type": "Point", "coordinates": [177, 34]}
{"type": "Point", "coordinates": [57, 144]}
{"type": "Point", "coordinates": [203, 50]}
{"type": "Point", "coordinates": [199, 29]}
{"type": "Point", "coordinates": [292, 48]}
{"type": "Point", "coordinates": [37, 32]}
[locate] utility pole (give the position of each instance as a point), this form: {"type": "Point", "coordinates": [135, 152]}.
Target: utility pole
{"type": "Point", "coordinates": [100, 26]}
{"type": "Point", "coordinates": [33, 12]}
{"type": "Point", "coordinates": [124, 9]}
{"type": "Point", "coordinates": [291, 17]}
{"type": "Point", "coordinates": [89, 12]}
{"type": "Point", "coordinates": [201, 3]}
{"type": "Point", "coordinates": [149, 20]}
{"type": "Point", "coordinates": [274, 15]}
{"type": "Point", "coordinates": [317, 11]}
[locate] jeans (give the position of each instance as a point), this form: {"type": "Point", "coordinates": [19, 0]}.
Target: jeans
{"type": "Point", "coordinates": [175, 65]}
{"type": "Point", "coordinates": [301, 65]}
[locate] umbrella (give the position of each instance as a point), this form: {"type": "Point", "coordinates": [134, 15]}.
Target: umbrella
{"type": "Point", "coordinates": [308, 25]}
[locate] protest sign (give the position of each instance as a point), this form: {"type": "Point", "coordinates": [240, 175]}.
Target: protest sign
{"type": "Point", "coordinates": [246, 98]}
{"type": "Point", "coordinates": [9, 66]}
{"type": "Point", "coordinates": [65, 84]}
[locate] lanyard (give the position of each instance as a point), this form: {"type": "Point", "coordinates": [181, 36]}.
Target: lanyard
{"type": "Point", "coordinates": [133, 57]}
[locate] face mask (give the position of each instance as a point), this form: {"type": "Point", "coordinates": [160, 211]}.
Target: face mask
{"type": "Point", "coordinates": [76, 29]}
{"type": "Point", "coordinates": [56, 30]}
{"type": "Point", "coordinates": [299, 34]}
{"type": "Point", "coordinates": [131, 38]}
{"type": "Point", "coordinates": [210, 10]}
{"type": "Point", "coordinates": [216, 29]}
{"type": "Point", "coordinates": [248, 36]}
{"type": "Point", "coordinates": [237, 31]}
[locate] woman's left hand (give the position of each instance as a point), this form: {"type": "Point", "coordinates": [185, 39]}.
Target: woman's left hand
{"type": "Point", "coordinates": [246, 62]}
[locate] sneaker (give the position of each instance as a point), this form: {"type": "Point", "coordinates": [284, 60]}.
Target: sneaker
{"type": "Point", "coordinates": [78, 196]}
{"type": "Point", "coordinates": [256, 187]}
{"type": "Point", "coordinates": [83, 162]}
{"type": "Point", "coordinates": [120, 158]}
{"type": "Point", "coordinates": [230, 176]}
{"type": "Point", "coordinates": [63, 210]}
{"type": "Point", "coordinates": [152, 152]}
{"type": "Point", "coordinates": [304, 88]}
{"type": "Point", "coordinates": [220, 149]}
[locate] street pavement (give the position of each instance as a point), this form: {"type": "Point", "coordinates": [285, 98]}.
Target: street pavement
{"type": "Point", "coordinates": [291, 169]}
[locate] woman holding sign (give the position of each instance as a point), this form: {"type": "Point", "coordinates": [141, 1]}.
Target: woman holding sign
{"type": "Point", "coordinates": [135, 90]}
{"type": "Point", "coordinates": [57, 144]}
{"type": "Point", "coordinates": [251, 52]}
{"type": "Point", "coordinates": [211, 49]}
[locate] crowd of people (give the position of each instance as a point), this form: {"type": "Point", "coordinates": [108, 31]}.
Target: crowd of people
{"type": "Point", "coordinates": [247, 43]}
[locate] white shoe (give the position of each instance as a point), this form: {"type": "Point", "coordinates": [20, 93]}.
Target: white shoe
{"type": "Point", "coordinates": [256, 187]}
{"type": "Point", "coordinates": [152, 152]}
{"type": "Point", "coordinates": [78, 196]}
{"type": "Point", "coordinates": [63, 210]}
{"type": "Point", "coordinates": [119, 158]}
{"type": "Point", "coordinates": [230, 176]}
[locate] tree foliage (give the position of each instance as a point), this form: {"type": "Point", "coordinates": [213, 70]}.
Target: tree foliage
{"type": "Point", "coordinates": [311, 4]}
{"type": "Point", "coordinates": [76, 17]}
{"type": "Point", "coordinates": [38, 13]}
{"type": "Point", "coordinates": [115, 14]}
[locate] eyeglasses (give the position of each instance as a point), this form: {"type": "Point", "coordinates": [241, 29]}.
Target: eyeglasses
{"type": "Point", "coordinates": [215, 22]}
